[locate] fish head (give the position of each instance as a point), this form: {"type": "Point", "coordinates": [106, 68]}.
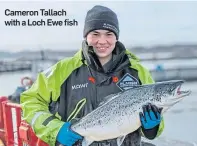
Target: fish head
{"type": "Point", "coordinates": [169, 93]}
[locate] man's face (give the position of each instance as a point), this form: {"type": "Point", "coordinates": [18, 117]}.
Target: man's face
{"type": "Point", "coordinates": [103, 42]}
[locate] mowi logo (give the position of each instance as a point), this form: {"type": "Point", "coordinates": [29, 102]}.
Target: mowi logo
{"type": "Point", "coordinates": [78, 86]}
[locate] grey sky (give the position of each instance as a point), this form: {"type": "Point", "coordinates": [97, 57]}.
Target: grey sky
{"type": "Point", "coordinates": [141, 23]}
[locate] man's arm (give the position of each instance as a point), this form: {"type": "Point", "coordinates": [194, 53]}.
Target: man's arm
{"type": "Point", "coordinates": [35, 107]}
{"type": "Point", "coordinates": [146, 78]}
{"type": "Point", "coordinates": [158, 129]}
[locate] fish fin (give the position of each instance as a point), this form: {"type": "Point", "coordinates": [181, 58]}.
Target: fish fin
{"type": "Point", "coordinates": [120, 140]}
{"type": "Point", "coordinates": [108, 98]}
{"type": "Point", "coordinates": [86, 142]}
{"type": "Point", "coordinates": [112, 96]}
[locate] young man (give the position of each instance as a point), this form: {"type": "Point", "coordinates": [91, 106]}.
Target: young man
{"type": "Point", "coordinates": [74, 87]}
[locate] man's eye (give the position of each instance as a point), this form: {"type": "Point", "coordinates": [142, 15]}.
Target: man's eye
{"type": "Point", "coordinates": [95, 34]}
{"type": "Point", "coordinates": [109, 34]}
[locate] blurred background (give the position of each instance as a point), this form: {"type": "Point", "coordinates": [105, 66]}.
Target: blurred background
{"type": "Point", "coordinates": [163, 34]}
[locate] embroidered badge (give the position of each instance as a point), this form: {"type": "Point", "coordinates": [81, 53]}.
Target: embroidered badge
{"type": "Point", "coordinates": [127, 82]}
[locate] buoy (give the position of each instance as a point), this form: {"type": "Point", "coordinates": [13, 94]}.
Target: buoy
{"type": "Point", "coordinates": [29, 83]}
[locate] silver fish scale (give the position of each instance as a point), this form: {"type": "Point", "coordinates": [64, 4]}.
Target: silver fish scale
{"type": "Point", "coordinates": [125, 104]}
{"type": "Point", "coordinates": [119, 115]}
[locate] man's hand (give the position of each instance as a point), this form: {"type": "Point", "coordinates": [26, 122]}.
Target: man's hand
{"type": "Point", "coordinates": [66, 136]}
{"type": "Point", "coordinates": [150, 120]}
{"type": "Point", "coordinates": [150, 117]}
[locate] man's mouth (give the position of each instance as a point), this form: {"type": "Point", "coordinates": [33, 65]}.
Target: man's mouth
{"type": "Point", "coordinates": [102, 49]}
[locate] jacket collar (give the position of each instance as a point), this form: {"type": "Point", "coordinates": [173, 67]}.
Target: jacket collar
{"type": "Point", "coordinates": [118, 60]}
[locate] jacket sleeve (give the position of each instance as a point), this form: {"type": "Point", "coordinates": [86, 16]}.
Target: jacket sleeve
{"type": "Point", "coordinates": [35, 105]}
{"type": "Point", "coordinates": [146, 78]}
{"type": "Point", "coordinates": [46, 89]}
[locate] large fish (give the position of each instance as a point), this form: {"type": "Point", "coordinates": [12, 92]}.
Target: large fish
{"type": "Point", "coordinates": [118, 115]}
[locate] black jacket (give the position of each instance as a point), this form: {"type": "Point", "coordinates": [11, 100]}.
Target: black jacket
{"type": "Point", "coordinates": [72, 90]}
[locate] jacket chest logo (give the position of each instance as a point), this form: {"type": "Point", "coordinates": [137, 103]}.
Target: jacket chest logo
{"type": "Point", "coordinates": [79, 86]}
{"type": "Point", "coordinates": [127, 82]}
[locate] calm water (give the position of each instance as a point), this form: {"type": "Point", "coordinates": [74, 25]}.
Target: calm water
{"type": "Point", "coordinates": [180, 120]}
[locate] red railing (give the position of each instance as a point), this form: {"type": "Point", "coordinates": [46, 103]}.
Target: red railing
{"type": "Point", "coordinates": [2, 131]}
{"type": "Point", "coordinates": [14, 131]}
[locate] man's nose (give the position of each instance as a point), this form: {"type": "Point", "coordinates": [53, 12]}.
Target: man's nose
{"type": "Point", "coordinates": [102, 39]}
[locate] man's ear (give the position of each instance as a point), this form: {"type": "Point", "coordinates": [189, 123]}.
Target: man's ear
{"type": "Point", "coordinates": [85, 40]}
